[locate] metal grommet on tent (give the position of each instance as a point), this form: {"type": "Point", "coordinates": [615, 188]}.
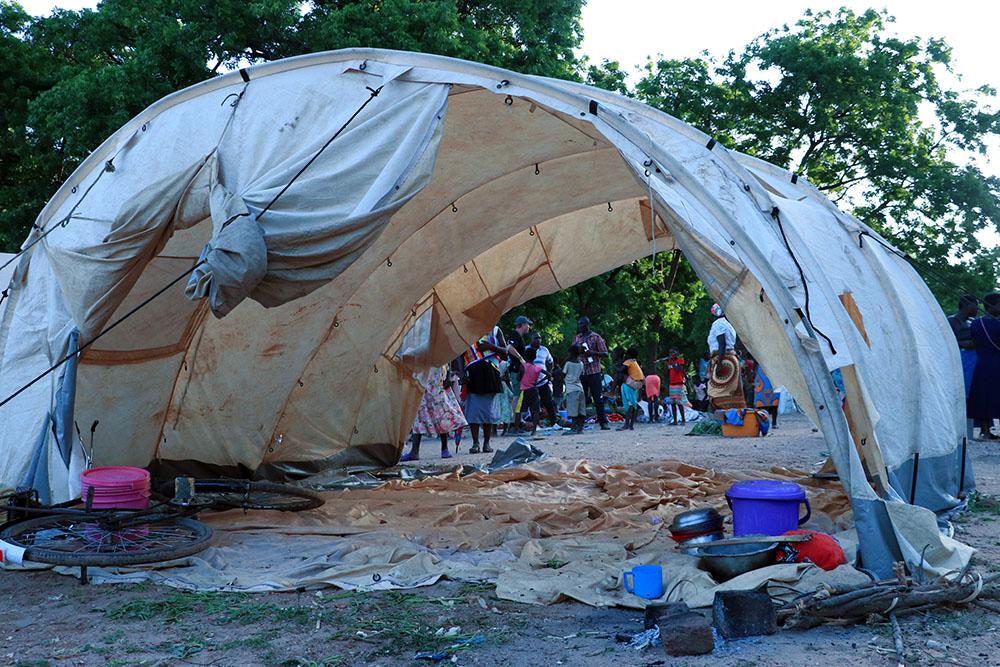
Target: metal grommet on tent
{"type": "Point", "coordinates": [531, 231]}
{"type": "Point", "coordinates": [537, 172]}
{"type": "Point", "coordinates": [465, 269]}
{"type": "Point", "coordinates": [509, 101]}
{"type": "Point", "coordinates": [301, 384]}
{"type": "Point", "coordinates": [388, 261]}
{"type": "Point", "coordinates": [610, 210]}
{"type": "Point", "coordinates": [503, 82]}
{"type": "Point", "coordinates": [73, 189]}
{"type": "Point", "coordinates": [363, 66]}
{"type": "Point", "coordinates": [454, 209]}
{"type": "Point", "coordinates": [375, 368]}
{"type": "Point", "coordinates": [335, 323]}
{"type": "Point", "coordinates": [143, 128]}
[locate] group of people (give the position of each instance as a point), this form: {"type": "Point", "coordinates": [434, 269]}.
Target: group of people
{"type": "Point", "coordinates": [979, 343]}
{"type": "Point", "coordinates": [499, 378]}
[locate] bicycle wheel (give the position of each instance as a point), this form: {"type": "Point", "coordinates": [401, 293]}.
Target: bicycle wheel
{"type": "Point", "coordinates": [92, 539]}
{"type": "Point", "coordinates": [243, 494]}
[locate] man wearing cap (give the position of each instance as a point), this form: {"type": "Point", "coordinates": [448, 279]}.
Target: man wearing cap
{"type": "Point", "coordinates": [592, 350]}
{"type": "Point", "coordinates": [518, 342]}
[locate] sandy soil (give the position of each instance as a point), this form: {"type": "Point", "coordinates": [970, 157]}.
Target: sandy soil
{"type": "Point", "coordinates": [48, 619]}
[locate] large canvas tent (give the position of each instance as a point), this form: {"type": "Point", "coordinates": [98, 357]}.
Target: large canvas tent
{"type": "Point", "coordinates": [359, 215]}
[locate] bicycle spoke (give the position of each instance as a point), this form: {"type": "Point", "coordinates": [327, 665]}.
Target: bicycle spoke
{"type": "Point", "coordinates": [90, 537]}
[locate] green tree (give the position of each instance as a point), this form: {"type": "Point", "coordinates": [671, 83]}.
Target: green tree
{"type": "Point", "coordinates": [867, 120]}
{"type": "Point", "coordinates": [76, 77]}
{"type": "Point", "coordinates": [863, 116]}
{"type": "Point", "coordinates": [24, 74]}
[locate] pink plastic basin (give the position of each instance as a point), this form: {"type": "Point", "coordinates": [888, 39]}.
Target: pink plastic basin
{"type": "Point", "coordinates": [116, 487]}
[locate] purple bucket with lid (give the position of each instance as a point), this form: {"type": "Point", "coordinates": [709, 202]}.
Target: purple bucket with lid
{"type": "Point", "coordinates": [766, 507]}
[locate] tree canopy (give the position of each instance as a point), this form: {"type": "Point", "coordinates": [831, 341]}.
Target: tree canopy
{"type": "Point", "coordinates": [865, 116]}
{"type": "Point", "coordinates": [75, 77]}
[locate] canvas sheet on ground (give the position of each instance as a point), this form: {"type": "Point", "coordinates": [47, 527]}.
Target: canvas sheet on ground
{"type": "Point", "coordinates": [543, 533]}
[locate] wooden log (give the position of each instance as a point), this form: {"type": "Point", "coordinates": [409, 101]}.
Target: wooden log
{"type": "Point", "coordinates": [875, 599]}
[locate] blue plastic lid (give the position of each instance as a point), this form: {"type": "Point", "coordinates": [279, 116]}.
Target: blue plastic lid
{"type": "Point", "coordinates": [766, 489]}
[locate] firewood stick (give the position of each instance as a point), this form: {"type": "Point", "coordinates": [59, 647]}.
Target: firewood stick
{"type": "Point", "coordinates": [897, 638]}
{"type": "Point", "coordinates": [995, 608]}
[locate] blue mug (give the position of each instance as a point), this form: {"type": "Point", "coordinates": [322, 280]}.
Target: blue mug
{"type": "Point", "coordinates": [645, 581]}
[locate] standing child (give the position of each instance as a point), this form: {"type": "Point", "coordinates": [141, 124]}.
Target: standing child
{"type": "Point", "coordinates": [653, 396]}
{"type": "Point", "coordinates": [438, 415]}
{"type": "Point", "coordinates": [631, 383]}
{"type": "Point", "coordinates": [532, 377]}
{"type": "Point", "coordinates": [504, 406]}
{"type": "Point", "coordinates": [676, 394]}
{"type": "Point", "coordinates": [558, 388]}
{"type": "Point", "coordinates": [576, 402]}
{"type": "Point", "coordinates": [545, 361]}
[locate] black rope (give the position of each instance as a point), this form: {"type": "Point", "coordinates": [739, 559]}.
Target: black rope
{"type": "Point", "coordinates": [4, 294]}
{"type": "Point", "coordinates": [99, 335]}
{"type": "Point", "coordinates": [861, 243]}
{"type": "Point", "coordinates": [108, 168]}
{"type": "Point", "coordinates": [61, 223]}
{"type": "Point", "coordinates": [776, 214]}
{"type": "Point", "coordinates": [133, 311]}
{"type": "Point", "coordinates": [374, 94]}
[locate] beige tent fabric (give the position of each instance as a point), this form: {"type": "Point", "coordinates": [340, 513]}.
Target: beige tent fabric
{"type": "Point", "coordinates": [136, 234]}
{"type": "Point", "coordinates": [544, 532]}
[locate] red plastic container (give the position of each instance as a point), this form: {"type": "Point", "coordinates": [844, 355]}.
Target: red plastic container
{"type": "Point", "coordinates": [116, 487]}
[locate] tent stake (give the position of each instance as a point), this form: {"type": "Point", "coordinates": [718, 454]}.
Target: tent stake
{"type": "Point", "coordinates": [913, 482]}
{"type": "Point", "coordinates": [961, 471]}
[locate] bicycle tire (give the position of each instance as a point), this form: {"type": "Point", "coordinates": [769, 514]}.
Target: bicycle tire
{"type": "Point", "coordinates": [256, 496]}
{"type": "Point", "coordinates": [76, 540]}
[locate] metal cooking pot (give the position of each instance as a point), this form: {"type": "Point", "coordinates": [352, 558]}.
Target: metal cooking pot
{"type": "Point", "coordinates": [697, 521]}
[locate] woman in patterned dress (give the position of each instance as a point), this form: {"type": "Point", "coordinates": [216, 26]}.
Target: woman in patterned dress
{"type": "Point", "coordinates": [438, 415]}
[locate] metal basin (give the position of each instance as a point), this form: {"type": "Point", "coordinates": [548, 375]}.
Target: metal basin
{"type": "Point", "coordinates": [726, 561]}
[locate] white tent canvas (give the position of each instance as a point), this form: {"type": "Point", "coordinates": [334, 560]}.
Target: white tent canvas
{"type": "Point", "coordinates": [354, 217]}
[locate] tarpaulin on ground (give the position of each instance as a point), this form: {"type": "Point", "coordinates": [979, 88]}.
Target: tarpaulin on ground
{"type": "Point", "coordinates": [544, 532]}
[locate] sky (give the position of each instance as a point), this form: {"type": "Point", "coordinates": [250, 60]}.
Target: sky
{"type": "Point", "coordinates": [630, 31]}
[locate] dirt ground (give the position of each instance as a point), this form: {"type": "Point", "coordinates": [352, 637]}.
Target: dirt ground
{"type": "Point", "coordinates": [49, 619]}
